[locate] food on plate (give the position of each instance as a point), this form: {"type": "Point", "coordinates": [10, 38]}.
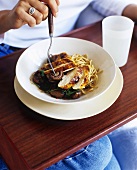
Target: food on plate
{"type": "Point", "coordinates": [75, 76]}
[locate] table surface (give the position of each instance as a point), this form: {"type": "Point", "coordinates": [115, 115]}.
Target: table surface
{"type": "Point", "coordinates": [30, 141]}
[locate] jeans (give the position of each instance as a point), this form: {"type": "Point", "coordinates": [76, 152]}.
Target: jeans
{"type": "Point", "coordinates": [96, 156]}
{"type": "Point", "coordinates": [5, 50]}
{"type": "Point", "coordinates": [124, 142]}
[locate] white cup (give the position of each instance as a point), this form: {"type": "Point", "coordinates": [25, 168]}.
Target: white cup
{"type": "Point", "coordinates": [117, 34]}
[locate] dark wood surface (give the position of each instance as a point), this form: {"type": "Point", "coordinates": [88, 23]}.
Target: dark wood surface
{"type": "Point", "coordinates": [30, 141]}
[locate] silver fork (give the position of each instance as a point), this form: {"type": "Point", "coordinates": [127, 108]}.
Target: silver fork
{"type": "Point", "coordinates": [50, 26]}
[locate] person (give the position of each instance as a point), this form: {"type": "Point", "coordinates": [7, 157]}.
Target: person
{"type": "Point", "coordinates": [19, 29]}
{"type": "Point", "coordinates": [24, 22]}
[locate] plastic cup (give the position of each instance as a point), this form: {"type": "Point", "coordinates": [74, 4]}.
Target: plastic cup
{"type": "Point", "coordinates": [117, 34]}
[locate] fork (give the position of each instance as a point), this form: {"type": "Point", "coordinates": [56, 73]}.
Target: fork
{"type": "Point", "coordinates": [50, 26]}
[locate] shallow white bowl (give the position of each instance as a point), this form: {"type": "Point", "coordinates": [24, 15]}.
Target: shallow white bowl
{"type": "Point", "coordinates": [32, 59]}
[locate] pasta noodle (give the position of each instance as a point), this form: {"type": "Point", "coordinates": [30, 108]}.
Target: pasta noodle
{"type": "Point", "coordinates": [81, 61]}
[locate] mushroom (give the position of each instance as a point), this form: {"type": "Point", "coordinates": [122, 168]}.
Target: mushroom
{"type": "Point", "coordinates": [37, 78]}
{"type": "Point", "coordinates": [57, 94]}
{"type": "Point", "coordinates": [76, 95]}
{"type": "Point", "coordinates": [55, 77]}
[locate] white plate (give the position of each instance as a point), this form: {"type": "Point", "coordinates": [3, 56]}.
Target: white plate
{"type": "Point", "coordinates": [31, 60]}
{"type": "Point", "coordinates": [75, 111]}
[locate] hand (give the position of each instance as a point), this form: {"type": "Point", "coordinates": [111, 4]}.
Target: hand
{"type": "Point", "coordinates": [19, 15]}
{"type": "Point", "coordinates": [131, 12]}
{"type": "Point", "coordinates": [53, 4]}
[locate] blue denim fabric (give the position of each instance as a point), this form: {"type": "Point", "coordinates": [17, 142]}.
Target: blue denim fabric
{"type": "Point", "coordinates": [3, 165]}
{"type": "Point", "coordinates": [5, 50]}
{"type": "Point", "coordinates": [124, 142]}
{"type": "Point", "coordinates": [96, 156]}
{"type": "Point", "coordinates": [113, 164]}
